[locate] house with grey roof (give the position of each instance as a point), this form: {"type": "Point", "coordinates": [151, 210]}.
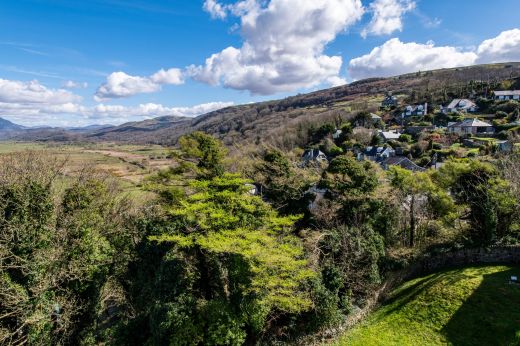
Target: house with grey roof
{"type": "Point", "coordinates": [376, 154]}
{"type": "Point", "coordinates": [389, 101]}
{"type": "Point", "coordinates": [389, 135]}
{"type": "Point", "coordinates": [415, 110]}
{"type": "Point", "coordinates": [314, 155]}
{"type": "Point", "coordinates": [403, 162]}
{"type": "Point", "coordinates": [471, 126]}
{"type": "Point", "coordinates": [501, 95]}
{"type": "Point", "coordinates": [461, 106]}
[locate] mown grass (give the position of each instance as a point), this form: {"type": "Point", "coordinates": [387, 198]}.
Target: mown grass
{"type": "Point", "coordinates": [471, 306]}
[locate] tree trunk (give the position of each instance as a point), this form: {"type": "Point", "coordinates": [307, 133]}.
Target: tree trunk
{"type": "Point", "coordinates": [412, 221]}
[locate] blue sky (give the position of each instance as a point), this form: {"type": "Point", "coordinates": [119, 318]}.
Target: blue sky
{"type": "Point", "coordinates": [68, 62]}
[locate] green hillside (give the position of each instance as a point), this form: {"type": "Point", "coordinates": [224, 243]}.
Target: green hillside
{"type": "Point", "coordinates": [472, 306]}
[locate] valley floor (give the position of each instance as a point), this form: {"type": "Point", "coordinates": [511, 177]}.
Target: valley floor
{"type": "Point", "coordinates": [471, 306]}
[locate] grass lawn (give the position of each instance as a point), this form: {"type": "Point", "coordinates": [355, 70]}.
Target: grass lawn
{"type": "Point", "coordinates": [471, 306]}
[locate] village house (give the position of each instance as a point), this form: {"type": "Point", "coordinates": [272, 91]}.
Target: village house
{"type": "Point", "coordinates": [375, 118]}
{"type": "Point", "coordinates": [403, 162]}
{"type": "Point", "coordinates": [389, 135]}
{"type": "Point", "coordinates": [389, 101]}
{"type": "Point", "coordinates": [376, 154]}
{"type": "Point", "coordinates": [471, 126]}
{"type": "Point", "coordinates": [415, 110]}
{"type": "Point", "coordinates": [507, 95]}
{"type": "Point", "coordinates": [314, 155]}
{"type": "Point", "coordinates": [461, 106]}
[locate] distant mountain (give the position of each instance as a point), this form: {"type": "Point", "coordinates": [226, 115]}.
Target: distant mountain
{"type": "Point", "coordinates": [89, 128]}
{"type": "Point", "coordinates": [154, 130]}
{"type": "Point", "coordinates": [6, 125]}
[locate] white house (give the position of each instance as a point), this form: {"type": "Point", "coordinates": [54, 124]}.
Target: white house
{"type": "Point", "coordinates": [507, 95]}
{"type": "Point", "coordinates": [461, 106]}
{"type": "Point", "coordinates": [470, 126]}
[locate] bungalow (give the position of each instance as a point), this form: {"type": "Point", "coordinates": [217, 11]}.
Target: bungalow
{"type": "Point", "coordinates": [389, 135]}
{"type": "Point", "coordinates": [376, 153]}
{"type": "Point", "coordinates": [507, 95]}
{"type": "Point", "coordinates": [403, 162]}
{"type": "Point", "coordinates": [415, 110]}
{"type": "Point", "coordinates": [461, 106]}
{"type": "Point", "coordinates": [470, 126]}
{"type": "Point", "coordinates": [389, 101]}
{"type": "Point", "coordinates": [315, 155]}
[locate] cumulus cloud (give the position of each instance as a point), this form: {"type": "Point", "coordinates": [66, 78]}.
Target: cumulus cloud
{"type": "Point", "coordinates": [387, 16]}
{"type": "Point", "coordinates": [503, 48]}
{"type": "Point", "coordinates": [119, 84]}
{"type": "Point", "coordinates": [284, 43]}
{"type": "Point", "coordinates": [395, 57]}
{"type": "Point", "coordinates": [33, 92]}
{"type": "Point", "coordinates": [215, 9]}
{"type": "Point", "coordinates": [74, 85]}
{"type": "Point", "coordinates": [31, 103]}
{"type": "Point", "coordinates": [171, 76]}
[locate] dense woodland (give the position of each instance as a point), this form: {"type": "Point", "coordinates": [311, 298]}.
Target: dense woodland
{"type": "Point", "coordinates": [247, 244]}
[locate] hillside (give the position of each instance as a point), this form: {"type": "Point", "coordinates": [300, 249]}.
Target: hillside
{"type": "Point", "coordinates": [472, 306]}
{"type": "Point", "coordinates": [285, 122]}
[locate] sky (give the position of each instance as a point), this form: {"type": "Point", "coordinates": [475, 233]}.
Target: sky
{"type": "Point", "coordinates": [77, 63]}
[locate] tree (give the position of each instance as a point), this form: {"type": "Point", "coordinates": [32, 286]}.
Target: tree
{"type": "Point", "coordinates": [236, 258]}
{"type": "Point", "coordinates": [58, 244]}
{"type": "Point", "coordinates": [421, 197]}
{"type": "Point", "coordinates": [490, 205]}
{"type": "Point", "coordinates": [283, 183]}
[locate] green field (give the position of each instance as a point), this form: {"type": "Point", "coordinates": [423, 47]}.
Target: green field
{"type": "Point", "coordinates": [471, 306]}
{"type": "Point", "coordinates": [130, 164]}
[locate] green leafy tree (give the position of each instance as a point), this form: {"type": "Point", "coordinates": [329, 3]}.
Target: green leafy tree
{"type": "Point", "coordinates": [238, 261]}
{"type": "Point", "coordinates": [424, 200]}
{"type": "Point", "coordinates": [490, 205]}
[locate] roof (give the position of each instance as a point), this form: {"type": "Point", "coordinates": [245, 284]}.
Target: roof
{"type": "Point", "coordinates": [390, 135]}
{"type": "Point", "coordinates": [312, 154]}
{"type": "Point", "coordinates": [472, 122]}
{"type": "Point", "coordinates": [403, 162]}
{"type": "Point", "coordinates": [506, 92]}
{"type": "Point", "coordinates": [374, 116]}
{"type": "Point", "coordinates": [461, 103]}
{"type": "Point", "coordinates": [373, 151]}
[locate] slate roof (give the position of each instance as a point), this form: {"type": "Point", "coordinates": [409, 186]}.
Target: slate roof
{"type": "Point", "coordinates": [390, 135]}
{"type": "Point", "coordinates": [506, 92]}
{"type": "Point", "coordinates": [473, 122]}
{"type": "Point", "coordinates": [313, 154]}
{"type": "Point", "coordinates": [461, 103]}
{"type": "Point", "coordinates": [402, 162]}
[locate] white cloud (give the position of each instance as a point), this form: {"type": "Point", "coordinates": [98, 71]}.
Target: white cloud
{"type": "Point", "coordinates": [33, 104]}
{"type": "Point", "coordinates": [74, 85]}
{"type": "Point", "coordinates": [215, 9]}
{"type": "Point", "coordinates": [119, 84]}
{"type": "Point", "coordinates": [283, 47]}
{"type": "Point", "coordinates": [154, 110]}
{"type": "Point", "coordinates": [503, 48]}
{"type": "Point", "coordinates": [395, 57]}
{"type": "Point", "coordinates": [171, 76]}
{"type": "Point", "coordinates": [33, 92]}
{"type": "Point", "coordinates": [387, 16]}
